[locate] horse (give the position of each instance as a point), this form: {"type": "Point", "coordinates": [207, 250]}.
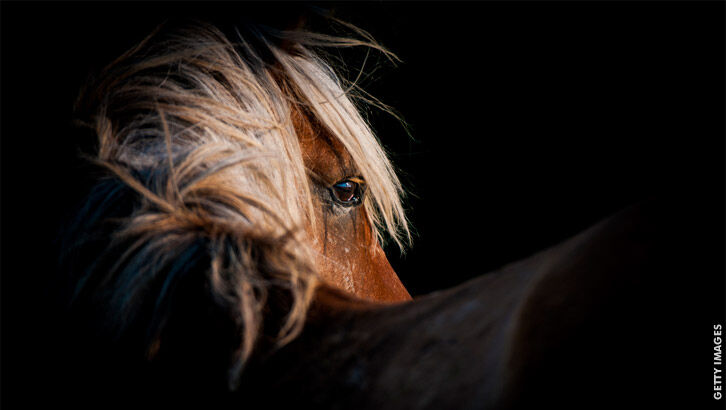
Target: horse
{"type": "Point", "coordinates": [247, 158]}
{"type": "Point", "coordinates": [231, 252]}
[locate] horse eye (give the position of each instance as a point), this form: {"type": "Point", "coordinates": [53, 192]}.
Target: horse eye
{"type": "Point", "coordinates": [347, 192]}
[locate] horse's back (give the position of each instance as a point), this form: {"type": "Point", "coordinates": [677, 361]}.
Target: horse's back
{"type": "Point", "coordinates": [598, 320]}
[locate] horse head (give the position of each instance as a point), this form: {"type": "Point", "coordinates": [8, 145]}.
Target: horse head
{"type": "Point", "coordinates": [250, 181]}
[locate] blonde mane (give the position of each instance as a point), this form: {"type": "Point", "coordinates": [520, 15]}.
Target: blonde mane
{"type": "Point", "coordinates": [200, 128]}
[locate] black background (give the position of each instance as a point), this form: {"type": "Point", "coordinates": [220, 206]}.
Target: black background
{"type": "Point", "coordinates": [529, 122]}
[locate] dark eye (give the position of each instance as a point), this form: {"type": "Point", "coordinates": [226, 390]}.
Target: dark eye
{"type": "Point", "coordinates": [348, 192]}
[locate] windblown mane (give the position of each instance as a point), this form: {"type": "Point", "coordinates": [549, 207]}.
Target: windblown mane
{"type": "Point", "coordinates": [205, 182]}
